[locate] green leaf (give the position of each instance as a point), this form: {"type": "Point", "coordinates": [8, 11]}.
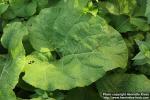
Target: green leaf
{"type": "Point", "coordinates": [130, 42]}
{"type": "Point", "coordinates": [5, 91]}
{"type": "Point", "coordinates": [3, 7]}
{"type": "Point", "coordinates": [81, 42]}
{"type": "Point", "coordinates": [86, 93]}
{"type": "Point", "coordinates": [20, 8]}
{"type": "Point", "coordinates": [43, 3]}
{"type": "Point", "coordinates": [121, 23]}
{"type": "Point", "coordinates": [120, 82]}
{"type": "Point", "coordinates": [124, 17]}
{"type": "Point", "coordinates": [42, 99]}
{"type": "Point", "coordinates": [118, 7]}
{"type": "Point", "coordinates": [140, 23]}
{"type": "Point", "coordinates": [144, 69]}
{"type": "Point", "coordinates": [143, 57]}
{"type": "Point", "coordinates": [54, 2]}
{"type": "Point", "coordinates": [140, 8]}
{"type": "Point", "coordinates": [12, 67]}
{"type": "Point", "coordinates": [147, 13]}
{"type": "Point", "coordinates": [124, 23]}
{"type": "Point", "coordinates": [2, 60]}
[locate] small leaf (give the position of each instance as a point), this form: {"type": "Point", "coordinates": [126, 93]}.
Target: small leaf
{"type": "Point", "coordinates": [147, 13]}
{"type": "Point", "coordinates": [3, 8]}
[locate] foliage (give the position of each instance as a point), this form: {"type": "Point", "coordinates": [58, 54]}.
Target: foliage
{"type": "Point", "coordinates": [73, 49]}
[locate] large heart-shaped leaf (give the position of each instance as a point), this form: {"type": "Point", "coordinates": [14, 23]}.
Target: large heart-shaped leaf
{"type": "Point", "coordinates": [87, 47]}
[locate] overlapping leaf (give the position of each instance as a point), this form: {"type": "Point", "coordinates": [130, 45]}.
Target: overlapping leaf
{"type": "Point", "coordinates": [3, 7]}
{"type": "Point", "coordinates": [68, 47]}
{"type": "Point", "coordinates": [126, 15]}
{"type": "Point", "coordinates": [20, 8]}
{"type": "Point", "coordinates": [118, 7]}
{"type": "Point", "coordinates": [13, 65]}
{"type": "Point", "coordinates": [81, 42]}
{"type": "Point", "coordinates": [147, 13]}
{"type": "Point", "coordinates": [143, 57]}
{"type": "Point", "coordinates": [119, 82]}
{"type": "Point", "coordinates": [86, 93]}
